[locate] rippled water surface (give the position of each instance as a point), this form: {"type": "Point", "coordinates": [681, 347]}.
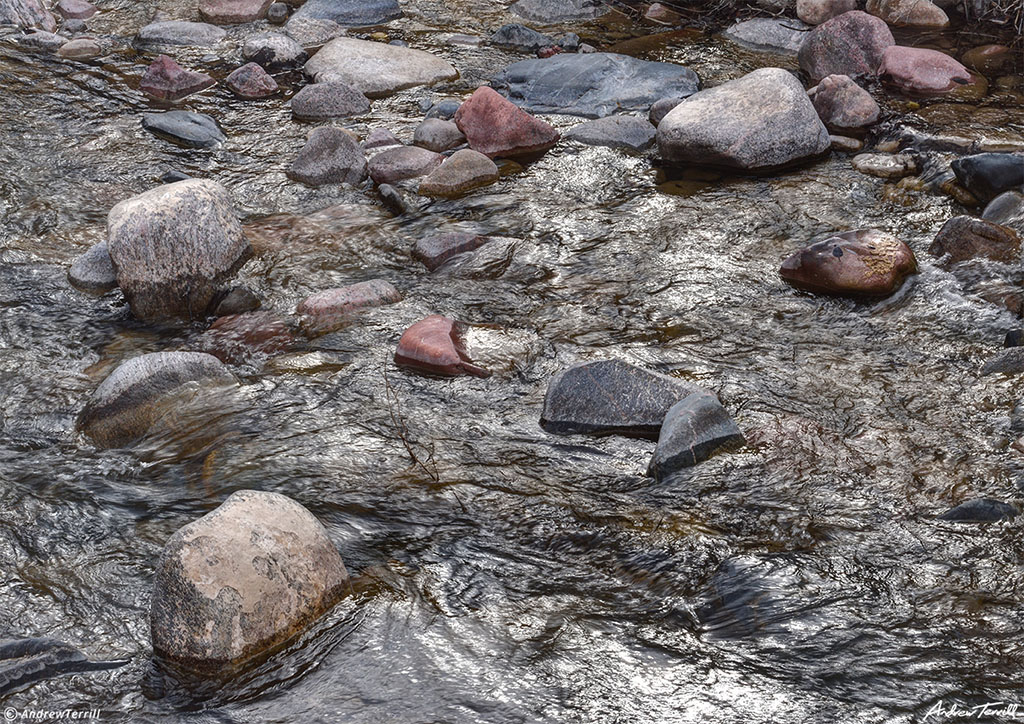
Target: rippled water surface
{"type": "Point", "coordinates": [506, 575]}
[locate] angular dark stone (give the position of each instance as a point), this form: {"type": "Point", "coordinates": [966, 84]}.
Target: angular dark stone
{"type": "Point", "coordinates": [27, 661]}
{"type": "Point", "coordinates": [1007, 362]}
{"type": "Point", "coordinates": [980, 510]}
{"type": "Point", "coordinates": [166, 80]}
{"type": "Point", "coordinates": [964, 237]}
{"type": "Point", "coordinates": [392, 199]}
{"type": "Point", "coordinates": [444, 109]}
{"type": "Point", "coordinates": [330, 156]}
{"type": "Point", "coordinates": [351, 13]}
{"type": "Point", "coordinates": [986, 175]}
{"type": "Point", "coordinates": [195, 130]}
{"type": "Point", "coordinates": [434, 251]}
{"type": "Point", "coordinates": [592, 85]}
{"type": "Point", "coordinates": [630, 132]}
{"type": "Point", "coordinates": [93, 272]}
{"type": "Point", "coordinates": [327, 101]}
{"type": "Point", "coordinates": [610, 397]}
{"type": "Point", "coordinates": [694, 429]}
{"type": "Point", "coordinates": [277, 13]}
{"type": "Point", "coordinates": [520, 37]}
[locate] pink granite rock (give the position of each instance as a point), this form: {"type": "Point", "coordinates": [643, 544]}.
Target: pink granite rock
{"type": "Point", "coordinates": [226, 12]}
{"type": "Point", "coordinates": [166, 80]}
{"type": "Point", "coordinates": [919, 71]}
{"type": "Point", "coordinates": [849, 44]}
{"type": "Point", "coordinates": [251, 81]}
{"type": "Point", "coordinates": [496, 127]}
{"type": "Point", "coordinates": [434, 346]}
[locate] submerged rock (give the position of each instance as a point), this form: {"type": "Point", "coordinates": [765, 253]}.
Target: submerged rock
{"type": "Point", "coordinates": [274, 51]}
{"type": "Point", "coordinates": [438, 135]}
{"type": "Point", "coordinates": [236, 338]}
{"type": "Point", "coordinates": [80, 49]}
{"type": "Point", "coordinates": [332, 309]}
{"type": "Point", "coordinates": [987, 59]}
{"type": "Point", "coordinates": [166, 80]}
{"type": "Point", "coordinates": [226, 12]}
{"type": "Point", "coordinates": [496, 127]}
{"type": "Point", "coordinates": [251, 82]}
{"type": "Point", "coordinates": [463, 171]}
{"type": "Point", "coordinates": [238, 300]}
{"type": "Point", "coordinates": [180, 32]}
{"type": "Point", "coordinates": [610, 397]}
{"type": "Point", "coordinates": [964, 237]}
{"type": "Point", "coordinates": [694, 429]}
{"type": "Point", "coordinates": [593, 85]}
{"type": "Point", "coordinates": [330, 156]}
{"type": "Point", "coordinates": [885, 165]}
{"type": "Point", "coordinates": [434, 346]}
{"type": "Point", "coordinates": [986, 175]}
{"type": "Point", "coordinates": [403, 162]}
{"type": "Point", "coordinates": [843, 105]}
{"type": "Point", "coordinates": [773, 35]}
{"type": "Point", "coordinates": [980, 510]}
{"type": "Point", "coordinates": [240, 580]}
{"type": "Point", "coordinates": [42, 41]}
{"type": "Point", "coordinates": [866, 262]}
{"type": "Point", "coordinates": [849, 44]}
{"type": "Point", "coordinates": [351, 13]}
{"type": "Point", "coordinates": [27, 661]}
{"type": "Point", "coordinates": [327, 101]}
{"type": "Point", "coordinates": [630, 132]}
{"type": "Point", "coordinates": [1007, 209]}
{"type": "Point", "coordinates": [196, 130]}
{"type": "Point", "coordinates": [277, 13]}
{"type": "Point", "coordinates": [27, 14]}
{"type": "Point", "coordinates": [910, 13]}
{"type": "Point", "coordinates": [920, 71]}
{"type": "Point", "coordinates": [141, 392]}
{"type": "Point", "coordinates": [435, 250]}
{"type": "Point", "coordinates": [559, 11]}
{"type": "Point", "coordinates": [377, 69]}
{"type": "Point", "coordinates": [760, 121]}
{"type": "Point", "coordinates": [1006, 362]}
{"type": "Point", "coordinates": [173, 247]}
{"type": "Point", "coordinates": [93, 272]}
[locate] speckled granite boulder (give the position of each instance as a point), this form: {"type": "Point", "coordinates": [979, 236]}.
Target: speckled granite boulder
{"type": "Point", "coordinates": [141, 392]}
{"type": "Point", "coordinates": [849, 44]}
{"type": "Point", "coordinates": [240, 580]}
{"type": "Point", "coordinates": [463, 171]}
{"type": "Point", "coordinates": [327, 101]}
{"type": "Point", "coordinates": [330, 156]}
{"type": "Point", "coordinates": [694, 429]}
{"type": "Point", "coordinates": [251, 82]}
{"type": "Point", "coordinates": [610, 397]}
{"type": "Point", "coordinates": [865, 262]}
{"type": "Point", "coordinates": [351, 13]}
{"type": "Point", "coordinates": [274, 51]}
{"type": "Point", "coordinates": [174, 246]}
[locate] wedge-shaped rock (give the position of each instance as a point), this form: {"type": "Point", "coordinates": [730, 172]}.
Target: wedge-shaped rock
{"type": "Point", "coordinates": [497, 128]}
{"type": "Point", "coordinates": [434, 346]}
{"type": "Point", "coordinates": [330, 156]}
{"type": "Point", "coordinates": [694, 429]}
{"type": "Point", "coordinates": [463, 171]}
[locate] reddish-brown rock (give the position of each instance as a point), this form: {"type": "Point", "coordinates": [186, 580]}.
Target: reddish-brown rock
{"type": "Point", "coordinates": [435, 250]}
{"type": "Point", "coordinates": [75, 9]}
{"type": "Point", "coordinates": [237, 337]}
{"type": "Point", "coordinates": [434, 346]}
{"type": "Point", "coordinates": [226, 12]}
{"type": "Point", "coordinates": [964, 237]}
{"type": "Point", "coordinates": [843, 105]}
{"type": "Point", "coordinates": [496, 127]}
{"type": "Point", "coordinates": [866, 262]}
{"type": "Point", "coordinates": [920, 71]}
{"type": "Point", "coordinates": [166, 80]}
{"type": "Point", "coordinates": [849, 44]}
{"type": "Point", "coordinates": [331, 309]}
{"type": "Point", "coordinates": [251, 81]}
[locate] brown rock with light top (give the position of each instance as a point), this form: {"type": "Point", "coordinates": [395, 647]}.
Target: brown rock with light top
{"type": "Point", "coordinates": [862, 263]}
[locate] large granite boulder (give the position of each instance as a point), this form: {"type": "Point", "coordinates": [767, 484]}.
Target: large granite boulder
{"type": "Point", "coordinates": [694, 429]}
{"type": "Point", "coordinates": [142, 392]}
{"type": "Point", "coordinates": [497, 128]}
{"type": "Point", "coordinates": [760, 121]}
{"type": "Point", "coordinates": [174, 246]}
{"type": "Point", "coordinates": [592, 84]}
{"type": "Point", "coordinates": [377, 69]}
{"type": "Point", "coordinates": [862, 263]}
{"type": "Point", "coordinates": [241, 580]}
{"type": "Point", "coordinates": [351, 13]}
{"type": "Point", "coordinates": [330, 156]}
{"type": "Point", "coordinates": [909, 13]}
{"type": "Point", "coordinates": [27, 14]}
{"type": "Point", "coordinates": [610, 397]}
{"type": "Point", "coordinates": [849, 44]}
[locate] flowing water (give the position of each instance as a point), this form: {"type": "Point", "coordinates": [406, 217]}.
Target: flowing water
{"type": "Point", "coordinates": [503, 574]}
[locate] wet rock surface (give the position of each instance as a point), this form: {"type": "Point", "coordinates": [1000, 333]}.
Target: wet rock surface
{"type": "Point", "coordinates": [226, 12]}
{"type": "Point", "coordinates": [248, 576]}
{"type": "Point", "coordinates": [331, 309]}
{"type": "Point", "coordinates": [274, 51]}
{"type": "Point", "coordinates": [986, 175]}
{"type": "Point", "coordinates": [627, 132]}
{"type": "Point", "coordinates": [166, 80]}
{"type": "Point", "coordinates": [330, 156]}
{"type": "Point", "coordinates": [980, 510]}
{"type": "Point", "coordinates": [769, 34]}
{"type": "Point", "coordinates": [849, 44]}
{"type": "Point", "coordinates": [921, 71]}
{"type": "Point", "coordinates": [496, 127]}
{"type": "Point", "coordinates": [27, 14]}
{"type": "Point", "coordinates": [963, 237]}
{"type": "Point", "coordinates": [866, 262]}
{"type": "Point", "coordinates": [559, 11]}
{"type": "Point", "coordinates": [251, 81]}
{"type": "Point", "coordinates": [26, 661]}
{"type": "Point", "coordinates": [843, 105]}
{"type": "Point", "coordinates": [434, 346]}
{"type": "Point", "coordinates": [179, 32]}
{"type": "Point", "coordinates": [694, 429]}
{"type": "Point", "coordinates": [463, 171]}
{"type": "Point", "coordinates": [435, 250]}
{"type": "Point", "coordinates": [401, 163]}
{"type": "Point", "coordinates": [351, 13]}
{"type": "Point", "coordinates": [195, 130]}
{"type": "Point", "coordinates": [93, 272]}
{"type": "Point", "coordinates": [327, 101]}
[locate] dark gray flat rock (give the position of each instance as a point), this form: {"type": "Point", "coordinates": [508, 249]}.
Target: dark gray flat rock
{"type": "Point", "coordinates": [610, 397]}
{"type": "Point", "coordinates": [628, 132]}
{"type": "Point", "coordinates": [694, 429]}
{"type": "Point", "coordinates": [179, 32]}
{"type": "Point", "coordinates": [519, 37]}
{"type": "Point", "coordinates": [195, 130]}
{"type": "Point", "coordinates": [326, 101]}
{"type": "Point", "coordinates": [1007, 362]}
{"type": "Point", "coordinates": [980, 510]}
{"type": "Point", "coordinates": [986, 175]}
{"type": "Point", "coordinates": [592, 85]}
{"type": "Point", "coordinates": [26, 661]}
{"type": "Point", "coordinates": [435, 250]}
{"type": "Point", "coordinates": [560, 11]}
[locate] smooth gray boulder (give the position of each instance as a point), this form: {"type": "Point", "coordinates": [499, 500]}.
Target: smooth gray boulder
{"type": "Point", "coordinates": [560, 11]}
{"type": "Point", "coordinates": [274, 51]}
{"type": "Point", "coordinates": [351, 13]}
{"type": "Point", "coordinates": [27, 14]}
{"type": "Point", "coordinates": [760, 121]}
{"type": "Point", "coordinates": [592, 85]}
{"type": "Point", "coordinates": [93, 272]}
{"type": "Point", "coordinates": [377, 69]}
{"type": "Point", "coordinates": [463, 171]}
{"type": "Point", "coordinates": [330, 156]}
{"type": "Point", "coordinates": [438, 135]}
{"type": "Point", "coordinates": [694, 429]}
{"type": "Point", "coordinates": [628, 132]}
{"type": "Point", "coordinates": [327, 101]}
{"type": "Point", "coordinates": [1007, 209]}
{"type": "Point", "coordinates": [610, 397]}
{"type": "Point", "coordinates": [661, 108]}
{"type": "Point", "coordinates": [194, 130]}
{"type": "Point", "coordinates": [144, 391]}
{"type": "Point", "coordinates": [174, 246]}
{"type": "Point", "coordinates": [312, 33]}
{"type": "Point", "coordinates": [241, 580]}
{"type": "Point", "coordinates": [179, 32]}
{"type": "Point", "coordinates": [770, 35]}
